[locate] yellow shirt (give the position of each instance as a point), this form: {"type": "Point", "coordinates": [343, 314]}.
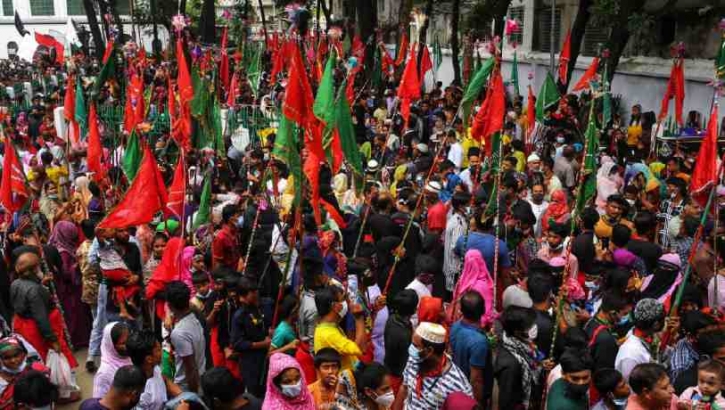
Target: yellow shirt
{"type": "Point", "coordinates": [520, 161]}
{"type": "Point", "coordinates": [330, 335]}
{"type": "Point", "coordinates": [467, 143]}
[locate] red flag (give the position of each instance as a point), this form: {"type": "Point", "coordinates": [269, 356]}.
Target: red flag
{"type": "Point", "coordinates": [182, 129]}
{"type": "Point", "coordinates": [409, 89]}
{"type": "Point", "coordinates": [298, 99]}
{"type": "Point", "coordinates": [334, 214]}
{"type": "Point", "coordinates": [13, 193]}
{"type": "Point", "coordinates": [387, 61]}
{"type": "Point", "coordinates": [676, 89]}
{"type": "Point", "coordinates": [564, 57]}
{"type": "Point", "coordinates": [426, 64]}
{"type": "Point", "coordinates": [134, 112]}
{"type": "Point", "coordinates": [350, 89]}
{"type": "Point", "coordinates": [145, 197]}
{"type": "Point", "coordinates": [51, 42]}
{"type": "Point", "coordinates": [489, 118]}
{"type": "Point", "coordinates": [704, 176]}
{"type": "Point", "coordinates": [400, 58]}
{"type": "Point", "coordinates": [177, 189]}
{"type": "Point", "coordinates": [311, 166]}
{"type": "Point", "coordinates": [233, 90]}
{"type": "Point", "coordinates": [224, 64]}
{"type": "Point", "coordinates": [95, 149]}
{"type": "Point", "coordinates": [278, 61]}
{"type": "Point", "coordinates": [171, 100]}
{"type": "Point", "coordinates": [531, 112]}
{"type": "Point", "coordinates": [107, 51]}
{"type": "Point", "coordinates": [69, 102]}
{"type": "Point", "coordinates": [336, 148]}
{"type": "Point", "coordinates": [588, 75]}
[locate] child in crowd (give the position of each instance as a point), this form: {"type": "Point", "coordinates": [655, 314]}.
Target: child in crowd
{"type": "Point", "coordinates": [710, 374]}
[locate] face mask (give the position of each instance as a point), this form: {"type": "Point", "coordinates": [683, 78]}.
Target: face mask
{"type": "Point", "coordinates": [343, 312]}
{"type": "Point", "coordinates": [560, 140]}
{"type": "Point", "coordinates": [468, 210]}
{"type": "Point", "coordinates": [292, 390]}
{"type": "Point", "coordinates": [623, 321]}
{"type": "Point", "coordinates": [631, 202]}
{"type": "Point", "coordinates": [557, 247]}
{"type": "Point", "coordinates": [386, 399]}
{"type": "Point", "coordinates": [48, 407]}
{"type": "Point", "coordinates": [577, 390]}
{"type": "Point", "coordinates": [533, 332]}
{"type": "Point", "coordinates": [15, 371]}
{"type": "Point", "coordinates": [620, 403]}
{"type": "Point", "coordinates": [240, 222]}
{"type": "Point", "coordinates": [592, 286]}
{"type": "Point", "coordinates": [537, 198]}
{"type": "Point", "coordinates": [414, 353]}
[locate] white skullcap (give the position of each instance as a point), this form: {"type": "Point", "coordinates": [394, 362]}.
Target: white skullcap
{"type": "Point", "coordinates": [432, 332]}
{"type": "Point", "coordinates": [533, 158]}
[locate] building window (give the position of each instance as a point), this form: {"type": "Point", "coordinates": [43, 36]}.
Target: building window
{"type": "Point", "coordinates": [543, 39]}
{"type": "Point", "coordinates": [594, 39]}
{"type": "Point", "coordinates": [123, 7]}
{"type": "Point", "coordinates": [41, 8]}
{"type": "Point", "coordinates": [8, 8]}
{"type": "Point", "coordinates": [517, 13]}
{"type": "Point", "coordinates": [75, 8]}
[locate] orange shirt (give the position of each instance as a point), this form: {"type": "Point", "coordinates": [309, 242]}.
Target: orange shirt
{"type": "Point", "coordinates": [323, 398]}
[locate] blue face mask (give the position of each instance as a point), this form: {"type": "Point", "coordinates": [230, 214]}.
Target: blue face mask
{"type": "Point", "coordinates": [620, 403]}
{"type": "Point", "coordinates": [240, 222]}
{"type": "Point", "coordinates": [414, 353]}
{"type": "Point", "coordinates": [623, 321]}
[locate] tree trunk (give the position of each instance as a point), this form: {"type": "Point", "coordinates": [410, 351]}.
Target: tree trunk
{"type": "Point", "coordinates": [207, 26]}
{"type": "Point", "coordinates": [500, 8]}
{"type": "Point", "coordinates": [98, 42]}
{"type": "Point", "coordinates": [368, 21]}
{"type": "Point", "coordinates": [423, 36]}
{"type": "Point", "coordinates": [619, 34]}
{"type": "Point", "coordinates": [326, 12]}
{"type": "Point", "coordinates": [455, 47]}
{"type": "Point", "coordinates": [155, 45]}
{"type": "Point", "coordinates": [577, 36]}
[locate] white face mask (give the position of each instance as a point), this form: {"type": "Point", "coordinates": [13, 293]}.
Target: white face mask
{"type": "Point", "coordinates": [631, 202]}
{"type": "Point", "coordinates": [343, 312]}
{"type": "Point", "coordinates": [292, 390]}
{"type": "Point", "coordinates": [533, 332]}
{"type": "Point", "coordinates": [560, 140]}
{"type": "Point", "coordinates": [385, 400]}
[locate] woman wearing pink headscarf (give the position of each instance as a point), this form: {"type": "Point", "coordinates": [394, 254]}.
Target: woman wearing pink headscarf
{"type": "Point", "coordinates": [476, 277]}
{"type": "Point", "coordinates": [558, 210]}
{"type": "Point", "coordinates": [286, 385]}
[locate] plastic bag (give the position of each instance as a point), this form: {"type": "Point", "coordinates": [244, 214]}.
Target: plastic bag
{"type": "Point", "coordinates": [60, 374]}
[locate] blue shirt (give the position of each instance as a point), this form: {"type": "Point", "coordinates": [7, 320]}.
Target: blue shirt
{"type": "Point", "coordinates": [486, 244]}
{"type": "Point", "coordinates": [469, 346]}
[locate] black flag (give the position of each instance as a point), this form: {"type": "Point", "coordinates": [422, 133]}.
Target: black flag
{"type": "Point", "coordinates": [20, 26]}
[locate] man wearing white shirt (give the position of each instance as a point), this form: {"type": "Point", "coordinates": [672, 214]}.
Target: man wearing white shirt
{"type": "Point", "coordinates": [471, 176]}
{"type": "Point", "coordinates": [538, 206]}
{"type": "Point", "coordinates": [649, 319]}
{"type": "Point", "coordinates": [455, 150]}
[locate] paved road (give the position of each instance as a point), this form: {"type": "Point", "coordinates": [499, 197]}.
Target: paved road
{"type": "Point", "coordinates": [83, 378]}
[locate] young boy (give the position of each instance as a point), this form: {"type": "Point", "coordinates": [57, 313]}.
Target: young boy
{"type": "Point", "coordinates": [202, 302]}
{"type": "Point", "coordinates": [327, 366]}
{"type": "Point", "coordinates": [710, 375]}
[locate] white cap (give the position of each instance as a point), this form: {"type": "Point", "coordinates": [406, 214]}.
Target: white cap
{"type": "Point", "coordinates": [373, 165]}
{"type": "Point", "coordinates": [533, 158]}
{"type": "Point", "coordinates": [422, 147]}
{"type": "Point", "coordinates": [514, 295]}
{"type": "Point", "coordinates": [433, 187]}
{"type": "Point", "coordinates": [432, 332]}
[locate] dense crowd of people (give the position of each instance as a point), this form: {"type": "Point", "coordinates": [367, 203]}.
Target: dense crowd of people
{"type": "Point", "coordinates": [443, 278]}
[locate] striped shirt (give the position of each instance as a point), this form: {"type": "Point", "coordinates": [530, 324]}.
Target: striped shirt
{"type": "Point", "coordinates": [455, 228]}
{"type": "Point", "coordinates": [435, 389]}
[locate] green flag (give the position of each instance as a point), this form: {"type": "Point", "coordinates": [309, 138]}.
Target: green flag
{"type": "Point", "coordinates": [216, 125]}
{"type": "Point", "coordinates": [343, 120]}
{"type": "Point", "coordinates": [254, 71]}
{"type": "Point", "coordinates": [515, 75]}
{"type": "Point", "coordinates": [437, 53]}
{"type": "Point", "coordinates": [132, 156]}
{"type": "Point", "coordinates": [492, 165]}
{"type": "Point", "coordinates": [286, 149]}
{"type": "Point", "coordinates": [720, 58]}
{"type": "Point", "coordinates": [606, 100]}
{"type": "Point", "coordinates": [108, 71]}
{"type": "Point", "coordinates": [324, 103]}
{"type": "Point", "coordinates": [377, 78]}
{"type": "Point", "coordinates": [589, 187]}
{"type": "Point", "coordinates": [548, 97]}
{"type": "Point", "coordinates": [81, 115]}
{"type": "Point", "coordinates": [474, 88]}
{"type": "Point", "coordinates": [204, 212]}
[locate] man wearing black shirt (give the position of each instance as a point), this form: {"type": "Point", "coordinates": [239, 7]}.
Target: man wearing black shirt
{"type": "Point", "coordinates": [250, 337]}
{"type": "Point", "coordinates": [583, 245]}
{"type": "Point", "coordinates": [399, 333]}
{"type": "Point", "coordinates": [602, 342]}
{"type": "Point", "coordinates": [539, 286]}
{"type": "Point", "coordinates": [642, 243]}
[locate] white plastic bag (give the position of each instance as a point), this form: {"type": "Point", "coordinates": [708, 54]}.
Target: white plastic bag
{"type": "Point", "coordinates": [60, 373]}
